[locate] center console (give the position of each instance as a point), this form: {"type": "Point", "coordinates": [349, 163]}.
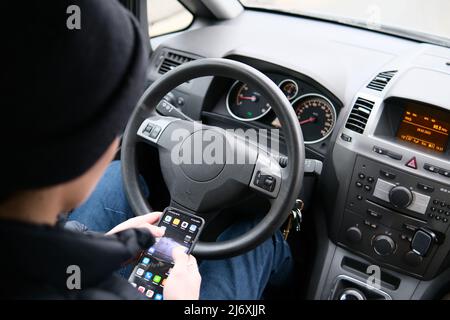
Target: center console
{"type": "Point", "coordinates": [387, 188]}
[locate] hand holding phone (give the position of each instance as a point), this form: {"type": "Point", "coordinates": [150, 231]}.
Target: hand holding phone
{"type": "Point", "coordinates": [184, 280]}
{"type": "Point", "coordinates": [157, 263]}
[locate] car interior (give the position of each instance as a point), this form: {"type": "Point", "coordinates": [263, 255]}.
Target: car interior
{"type": "Point", "coordinates": [361, 184]}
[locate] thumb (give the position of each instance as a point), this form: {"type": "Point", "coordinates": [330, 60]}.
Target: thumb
{"type": "Point", "coordinates": [179, 256]}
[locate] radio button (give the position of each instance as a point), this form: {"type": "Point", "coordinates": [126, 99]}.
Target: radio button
{"type": "Point", "coordinates": [387, 174]}
{"type": "Point", "coordinates": [412, 163]}
{"type": "Point", "coordinates": [394, 155]}
{"type": "Point", "coordinates": [380, 150]}
{"type": "Point", "coordinates": [425, 187]}
{"type": "Point", "coordinates": [445, 173]}
{"type": "Point", "coordinates": [431, 168]}
{"type": "Point", "coordinates": [373, 214]}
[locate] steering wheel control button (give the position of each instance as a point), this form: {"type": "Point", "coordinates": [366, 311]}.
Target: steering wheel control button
{"type": "Point", "coordinates": [155, 132]}
{"type": "Point", "coordinates": [152, 128]}
{"type": "Point", "coordinates": [265, 182]}
{"type": "Point", "coordinates": [383, 245]}
{"type": "Point", "coordinates": [400, 197]}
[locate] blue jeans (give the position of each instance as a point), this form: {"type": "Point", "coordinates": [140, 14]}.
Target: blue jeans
{"type": "Point", "coordinates": [241, 277]}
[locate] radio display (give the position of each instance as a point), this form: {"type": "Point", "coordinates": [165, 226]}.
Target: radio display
{"type": "Point", "coordinates": [425, 126]}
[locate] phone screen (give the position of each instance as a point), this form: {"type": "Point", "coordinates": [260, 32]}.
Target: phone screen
{"type": "Point", "coordinates": [150, 273]}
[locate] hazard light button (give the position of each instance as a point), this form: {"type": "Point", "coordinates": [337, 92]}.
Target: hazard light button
{"type": "Point", "coordinates": [412, 163]}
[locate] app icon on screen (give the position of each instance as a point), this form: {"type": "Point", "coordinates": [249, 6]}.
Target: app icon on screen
{"type": "Point", "coordinates": [156, 279]}
{"type": "Point", "coordinates": [158, 296]}
{"type": "Point", "coordinates": [184, 224]}
{"type": "Point", "coordinates": [148, 275]}
{"type": "Point", "coordinates": [140, 271]}
{"type": "Point", "coordinates": [168, 219]}
{"type": "Point", "coordinates": [141, 289]}
{"type": "Point", "coordinates": [193, 227]}
{"type": "Point", "coordinates": [150, 293]}
{"type": "Point", "coordinates": [145, 260]}
{"type": "Point", "coordinates": [187, 238]}
{"type": "Point", "coordinates": [176, 221]}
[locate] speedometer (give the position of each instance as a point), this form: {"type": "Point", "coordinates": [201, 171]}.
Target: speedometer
{"type": "Point", "coordinates": [316, 115]}
{"type": "Point", "coordinates": [245, 103]}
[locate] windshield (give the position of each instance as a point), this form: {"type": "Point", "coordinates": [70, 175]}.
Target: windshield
{"type": "Point", "coordinates": [424, 20]}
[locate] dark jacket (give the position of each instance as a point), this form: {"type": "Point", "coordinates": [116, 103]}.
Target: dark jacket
{"type": "Point", "coordinates": [35, 261]}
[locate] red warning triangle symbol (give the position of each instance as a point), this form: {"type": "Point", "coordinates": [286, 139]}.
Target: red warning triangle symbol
{"type": "Point", "coordinates": [412, 163]}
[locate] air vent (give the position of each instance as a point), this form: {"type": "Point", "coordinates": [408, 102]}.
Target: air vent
{"type": "Point", "coordinates": [171, 61]}
{"type": "Point", "coordinates": [360, 114]}
{"type": "Point", "coordinates": [381, 80]}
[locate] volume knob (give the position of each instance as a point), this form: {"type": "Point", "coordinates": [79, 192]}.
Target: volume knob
{"type": "Point", "coordinates": [400, 197]}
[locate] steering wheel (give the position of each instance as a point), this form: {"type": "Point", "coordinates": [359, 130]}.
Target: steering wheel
{"type": "Point", "coordinates": [203, 187]}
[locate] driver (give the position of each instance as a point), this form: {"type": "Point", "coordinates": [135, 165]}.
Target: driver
{"type": "Point", "coordinates": [68, 95]}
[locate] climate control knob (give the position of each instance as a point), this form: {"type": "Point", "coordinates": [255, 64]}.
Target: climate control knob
{"type": "Point", "coordinates": [353, 235]}
{"type": "Point", "coordinates": [383, 245]}
{"type": "Point", "coordinates": [400, 197]}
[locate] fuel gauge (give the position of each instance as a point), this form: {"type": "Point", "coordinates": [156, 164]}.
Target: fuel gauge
{"type": "Point", "coordinates": [289, 88]}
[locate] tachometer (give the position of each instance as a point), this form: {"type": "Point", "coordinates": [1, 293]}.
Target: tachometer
{"type": "Point", "coordinates": [317, 117]}
{"type": "Point", "coordinates": [246, 103]}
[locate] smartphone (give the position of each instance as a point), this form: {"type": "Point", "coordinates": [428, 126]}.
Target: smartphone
{"type": "Point", "coordinates": [154, 265]}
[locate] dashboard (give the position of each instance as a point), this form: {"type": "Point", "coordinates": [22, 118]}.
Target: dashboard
{"type": "Point", "coordinates": [241, 105]}
{"type": "Point", "coordinates": [374, 109]}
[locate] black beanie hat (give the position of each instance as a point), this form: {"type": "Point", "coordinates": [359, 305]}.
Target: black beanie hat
{"type": "Point", "coordinates": [67, 94]}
